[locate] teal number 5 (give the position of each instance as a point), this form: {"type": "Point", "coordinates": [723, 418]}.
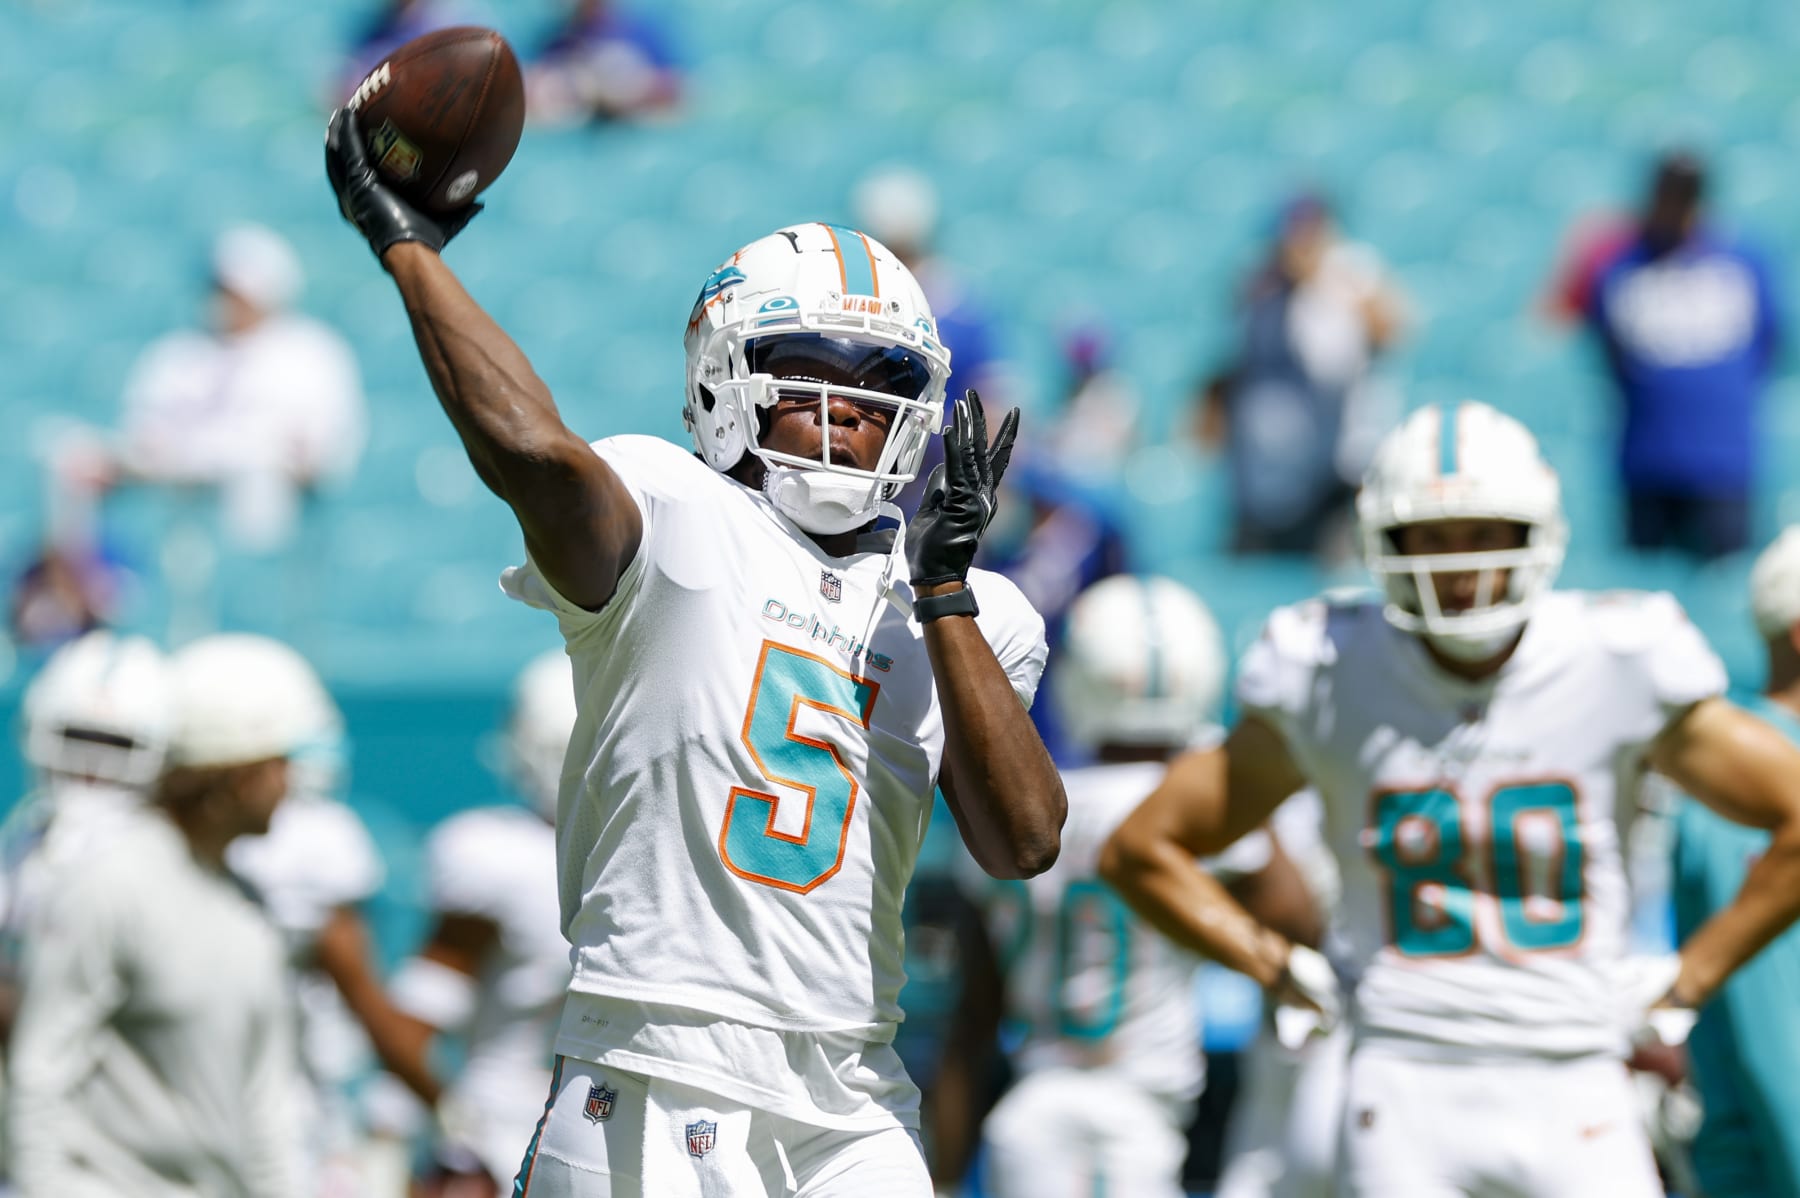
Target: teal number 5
{"type": "Point", "coordinates": [749, 844]}
{"type": "Point", "coordinates": [1534, 868]}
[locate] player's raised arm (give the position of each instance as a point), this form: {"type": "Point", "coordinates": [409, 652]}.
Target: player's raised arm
{"type": "Point", "coordinates": [1749, 773]}
{"type": "Point", "coordinates": [997, 776]}
{"type": "Point", "coordinates": [580, 525]}
{"type": "Point", "coordinates": [1208, 799]}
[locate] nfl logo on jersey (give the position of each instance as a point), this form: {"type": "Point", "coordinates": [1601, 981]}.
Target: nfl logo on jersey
{"type": "Point", "coordinates": [599, 1104]}
{"type": "Point", "coordinates": [831, 586]}
{"type": "Point", "coordinates": [700, 1136]}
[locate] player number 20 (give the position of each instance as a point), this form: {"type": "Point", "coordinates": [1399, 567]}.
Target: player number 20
{"type": "Point", "coordinates": [1533, 867]}
{"type": "Point", "coordinates": [749, 842]}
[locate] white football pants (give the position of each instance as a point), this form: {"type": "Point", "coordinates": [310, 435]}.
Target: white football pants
{"type": "Point", "coordinates": [1533, 1128]}
{"type": "Point", "coordinates": [606, 1133]}
{"type": "Point", "coordinates": [1075, 1133]}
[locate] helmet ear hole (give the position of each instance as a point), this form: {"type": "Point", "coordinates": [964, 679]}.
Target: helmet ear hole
{"type": "Point", "coordinates": [707, 399]}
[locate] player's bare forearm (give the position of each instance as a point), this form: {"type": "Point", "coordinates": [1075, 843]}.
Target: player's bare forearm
{"type": "Point", "coordinates": [1165, 885]}
{"type": "Point", "coordinates": [343, 953]}
{"type": "Point", "coordinates": [1768, 903]}
{"type": "Point", "coordinates": [998, 777]}
{"type": "Point", "coordinates": [1208, 799]}
{"type": "Point", "coordinates": [1750, 773]}
{"type": "Point", "coordinates": [580, 524]}
{"type": "Point", "coordinates": [502, 410]}
{"type": "Point", "coordinates": [1278, 897]}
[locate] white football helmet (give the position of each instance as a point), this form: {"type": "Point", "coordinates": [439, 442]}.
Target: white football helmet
{"type": "Point", "coordinates": [537, 731]}
{"type": "Point", "coordinates": [100, 709]}
{"type": "Point", "coordinates": [241, 698]}
{"type": "Point", "coordinates": [1775, 585]}
{"type": "Point", "coordinates": [1142, 663]}
{"type": "Point", "coordinates": [1453, 462]}
{"type": "Point", "coordinates": [824, 294]}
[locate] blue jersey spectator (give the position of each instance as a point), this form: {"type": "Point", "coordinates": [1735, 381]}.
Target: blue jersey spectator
{"type": "Point", "coordinates": [1745, 1049]}
{"type": "Point", "coordinates": [604, 64]}
{"type": "Point", "coordinates": [1688, 321]}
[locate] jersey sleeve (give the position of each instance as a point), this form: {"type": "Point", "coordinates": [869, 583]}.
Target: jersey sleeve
{"type": "Point", "coordinates": [1014, 630]}
{"type": "Point", "coordinates": [459, 866]}
{"type": "Point", "coordinates": [1276, 676]}
{"type": "Point", "coordinates": [1662, 650]}
{"type": "Point", "coordinates": [655, 473]}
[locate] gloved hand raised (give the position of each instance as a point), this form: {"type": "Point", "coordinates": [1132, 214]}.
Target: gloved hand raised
{"type": "Point", "coordinates": [959, 497]}
{"type": "Point", "coordinates": [377, 210]}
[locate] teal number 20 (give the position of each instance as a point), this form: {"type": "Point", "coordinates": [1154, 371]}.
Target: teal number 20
{"type": "Point", "coordinates": [749, 844]}
{"type": "Point", "coordinates": [1092, 931]}
{"type": "Point", "coordinates": [1534, 864]}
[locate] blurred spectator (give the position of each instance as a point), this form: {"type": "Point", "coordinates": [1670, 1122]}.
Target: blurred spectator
{"type": "Point", "coordinates": [1095, 426]}
{"type": "Point", "coordinates": [1688, 320]}
{"type": "Point", "coordinates": [64, 592]}
{"type": "Point", "coordinates": [1589, 247]}
{"type": "Point", "coordinates": [898, 206]}
{"type": "Point", "coordinates": [263, 404]}
{"type": "Point", "coordinates": [1315, 314]}
{"type": "Point", "coordinates": [603, 64]}
{"type": "Point", "coordinates": [1054, 539]}
{"type": "Point", "coordinates": [393, 25]}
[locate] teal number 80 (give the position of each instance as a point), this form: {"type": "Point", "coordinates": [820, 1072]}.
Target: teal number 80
{"type": "Point", "coordinates": [749, 844]}
{"type": "Point", "coordinates": [1535, 864]}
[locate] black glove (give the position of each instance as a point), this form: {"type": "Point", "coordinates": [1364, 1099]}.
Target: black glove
{"type": "Point", "coordinates": [959, 497]}
{"type": "Point", "coordinates": [377, 210]}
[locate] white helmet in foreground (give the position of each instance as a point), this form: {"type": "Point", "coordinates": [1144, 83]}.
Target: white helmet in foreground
{"type": "Point", "coordinates": [537, 731]}
{"type": "Point", "coordinates": [100, 709]}
{"type": "Point", "coordinates": [810, 295]}
{"type": "Point", "coordinates": [1462, 461]}
{"type": "Point", "coordinates": [241, 698]}
{"type": "Point", "coordinates": [1142, 663]}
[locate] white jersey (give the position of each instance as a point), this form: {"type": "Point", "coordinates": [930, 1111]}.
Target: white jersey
{"type": "Point", "coordinates": [1091, 983]}
{"type": "Point", "coordinates": [499, 864]}
{"type": "Point", "coordinates": [153, 1052]}
{"type": "Point", "coordinates": [1478, 823]}
{"type": "Point", "coordinates": [752, 767]}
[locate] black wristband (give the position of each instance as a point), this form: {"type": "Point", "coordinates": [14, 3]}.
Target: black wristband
{"type": "Point", "coordinates": [927, 608]}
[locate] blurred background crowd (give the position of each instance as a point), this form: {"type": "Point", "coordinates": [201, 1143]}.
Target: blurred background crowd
{"type": "Point", "coordinates": [1214, 252]}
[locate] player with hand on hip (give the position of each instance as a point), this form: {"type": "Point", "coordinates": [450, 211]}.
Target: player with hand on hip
{"type": "Point", "coordinates": [1477, 739]}
{"type": "Point", "coordinates": [1109, 1063]}
{"type": "Point", "coordinates": [1744, 1052]}
{"type": "Point", "coordinates": [492, 972]}
{"type": "Point", "coordinates": [767, 689]}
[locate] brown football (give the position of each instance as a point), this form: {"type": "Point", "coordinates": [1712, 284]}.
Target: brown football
{"type": "Point", "coordinates": [441, 115]}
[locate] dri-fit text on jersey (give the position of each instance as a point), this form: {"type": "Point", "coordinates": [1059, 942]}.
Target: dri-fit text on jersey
{"type": "Point", "coordinates": [833, 636]}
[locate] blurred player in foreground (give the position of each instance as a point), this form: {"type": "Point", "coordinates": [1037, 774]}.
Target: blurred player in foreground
{"type": "Point", "coordinates": [1745, 1049]}
{"type": "Point", "coordinates": [1477, 739]}
{"type": "Point", "coordinates": [154, 1051]}
{"type": "Point", "coordinates": [767, 694]}
{"type": "Point", "coordinates": [1110, 1063]}
{"type": "Point", "coordinates": [494, 968]}
{"type": "Point", "coordinates": [96, 725]}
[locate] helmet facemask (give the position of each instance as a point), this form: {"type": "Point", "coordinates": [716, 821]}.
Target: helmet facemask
{"type": "Point", "coordinates": [1508, 583]}
{"type": "Point", "coordinates": [820, 494]}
